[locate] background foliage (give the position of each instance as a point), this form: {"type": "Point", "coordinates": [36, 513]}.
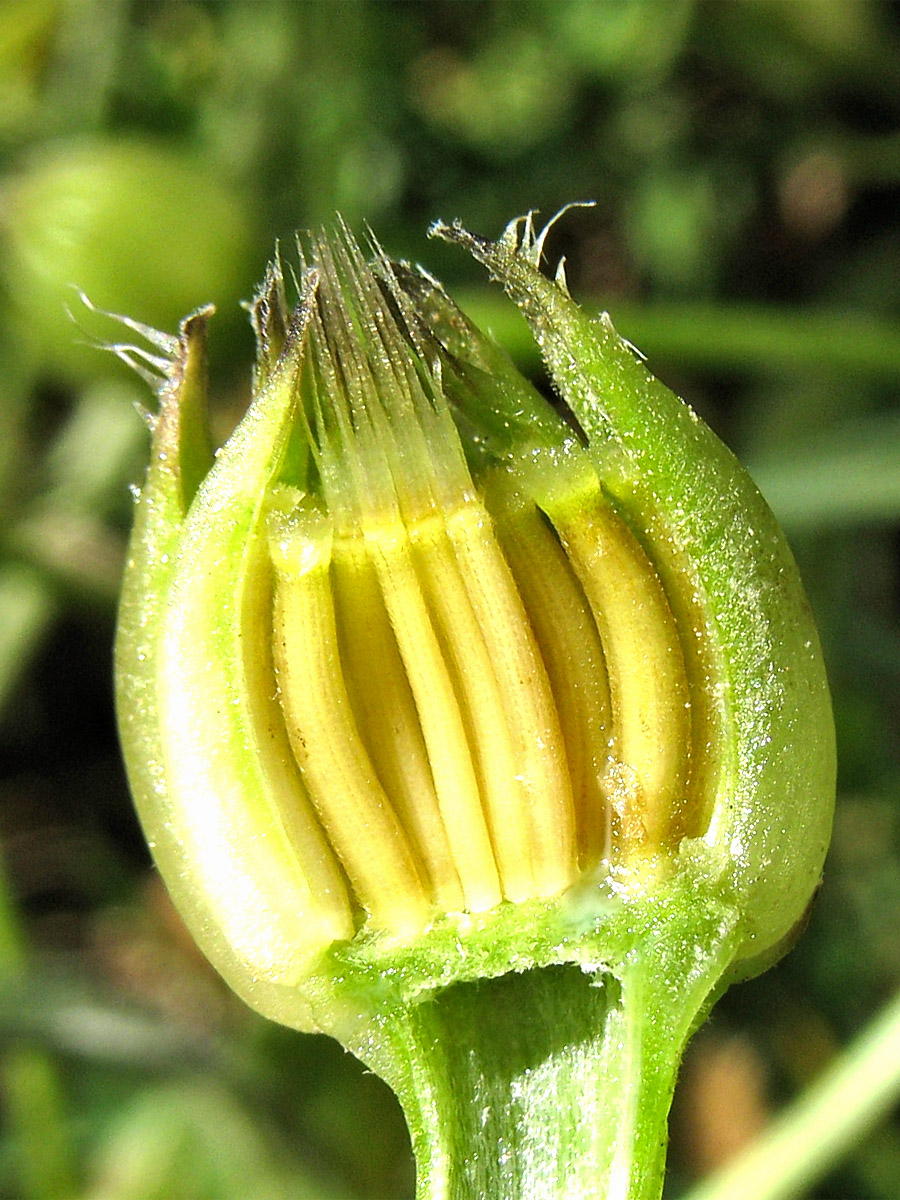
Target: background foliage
{"type": "Point", "coordinates": [745, 160]}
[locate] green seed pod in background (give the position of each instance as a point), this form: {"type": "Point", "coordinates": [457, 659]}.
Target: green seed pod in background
{"type": "Point", "coordinates": [489, 741]}
{"type": "Point", "coordinates": [139, 227]}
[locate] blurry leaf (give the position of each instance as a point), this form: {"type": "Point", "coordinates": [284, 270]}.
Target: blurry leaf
{"type": "Point", "coordinates": [27, 606]}
{"type": "Point", "coordinates": [40, 1137]}
{"type": "Point", "coordinates": [722, 336]}
{"type": "Point", "coordinates": [100, 450]}
{"type": "Point", "coordinates": [191, 1141]}
{"type": "Point", "coordinates": [629, 39]}
{"type": "Point", "coordinates": [509, 96]}
{"type": "Point", "coordinates": [74, 549]}
{"type": "Point", "coordinates": [64, 531]}
{"type": "Point", "coordinates": [305, 106]}
{"type": "Point", "coordinates": [12, 942]}
{"type": "Point", "coordinates": [26, 29]}
{"type": "Point", "coordinates": [62, 1009]}
{"type": "Point", "coordinates": [85, 58]}
{"type": "Point", "coordinates": [844, 476]}
{"type": "Point", "coordinates": [15, 402]}
{"type": "Point", "coordinates": [675, 223]}
{"type": "Point", "coordinates": [797, 50]}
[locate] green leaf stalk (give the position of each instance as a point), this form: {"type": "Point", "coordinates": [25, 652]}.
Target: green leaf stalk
{"type": "Point", "coordinates": [491, 738]}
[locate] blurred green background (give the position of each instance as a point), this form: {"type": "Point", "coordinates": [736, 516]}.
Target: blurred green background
{"type": "Point", "coordinates": [745, 160]}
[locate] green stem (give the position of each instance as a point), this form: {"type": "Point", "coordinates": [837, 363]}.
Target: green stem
{"type": "Point", "coordinates": [547, 1084]}
{"type": "Point", "coordinates": [534, 1048]}
{"type": "Point", "coordinates": [827, 1119]}
{"type": "Point", "coordinates": [740, 336]}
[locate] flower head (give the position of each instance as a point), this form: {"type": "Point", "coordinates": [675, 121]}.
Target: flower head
{"type": "Point", "coordinates": [420, 661]}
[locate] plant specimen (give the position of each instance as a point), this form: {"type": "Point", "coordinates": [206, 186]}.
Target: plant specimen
{"type": "Point", "coordinates": [490, 737]}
